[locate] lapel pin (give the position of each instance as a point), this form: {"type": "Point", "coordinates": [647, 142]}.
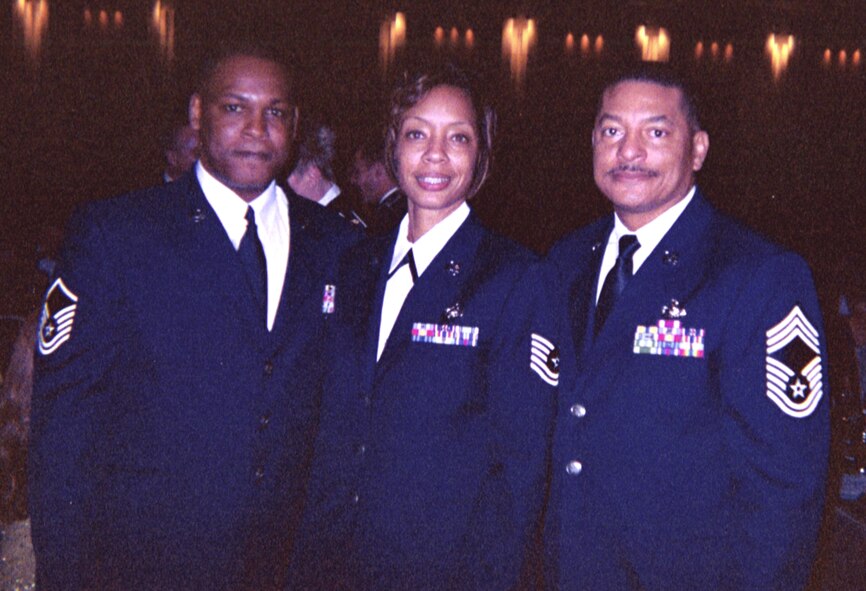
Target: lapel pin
{"type": "Point", "coordinates": [453, 268]}
{"type": "Point", "coordinates": [673, 311]}
{"type": "Point", "coordinates": [596, 246]}
{"type": "Point", "coordinates": [197, 215]}
{"type": "Point", "coordinates": [671, 258]}
{"type": "Point", "coordinates": [455, 311]}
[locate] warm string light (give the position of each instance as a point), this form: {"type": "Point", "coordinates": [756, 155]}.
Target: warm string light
{"type": "Point", "coordinates": [162, 24]}
{"type": "Point", "coordinates": [779, 50]}
{"type": "Point", "coordinates": [518, 39]}
{"type": "Point", "coordinates": [453, 38]}
{"type": "Point", "coordinates": [469, 38]}
{"type": "Point", "coordinates": [655, 44]}
{"type": "Point", "coordinates": [439, 36]}
{"type": "Point", "coordinates": [32, 17]}
{"type": "Point", "coordinates": [586, 45]}
{"type": "Point", "coordinates": [842, 58]}
{"type": "Point", "coordinates": [392, 37]}
{"type": "Point", "coordinates": [715, 50]}
{"type": "Point", "coordinates": [106, 19]}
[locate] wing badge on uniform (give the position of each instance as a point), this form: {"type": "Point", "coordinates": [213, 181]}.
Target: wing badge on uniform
{"type": "Point", "coordinates": [544, 359]}
{"type": "Point", "coordinates": [58, 312]}
{"type": "Point", "coordinates": [794, 380]}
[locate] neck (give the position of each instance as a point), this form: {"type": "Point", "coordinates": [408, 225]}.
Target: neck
{"type": "Point", "coordinates": [423, 220]}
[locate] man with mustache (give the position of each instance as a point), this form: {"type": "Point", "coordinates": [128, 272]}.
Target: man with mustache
{"type": "Point", "coordinates": [690, 447]}
{"type": "Point", "coordinates": [179, 361]}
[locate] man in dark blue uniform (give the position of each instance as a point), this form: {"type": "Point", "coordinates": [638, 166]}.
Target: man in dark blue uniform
{"type": "Point", "coordinates": [691, 441]}
{"type": "Point", "coordinates": [178, 363]}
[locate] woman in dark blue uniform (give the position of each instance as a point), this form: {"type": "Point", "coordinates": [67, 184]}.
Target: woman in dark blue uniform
{"type": "Point", "coordinates": [430, 462]}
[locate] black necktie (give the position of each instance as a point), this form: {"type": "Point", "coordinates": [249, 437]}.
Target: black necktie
{"type": "Point", "coordinates": [252, 256]}
{"type": "Point", "coordinates": [616, 279]}
{"type": "Point", "coordinates": [409, 259]}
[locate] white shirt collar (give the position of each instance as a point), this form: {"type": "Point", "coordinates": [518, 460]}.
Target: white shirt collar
{"type": "Point", "coordinates": [387, 193]}
{"type": "Point", "coordinates": [330, 195]}
{"type": "Point", "coordinates": [231, 209]}
{"type": "Point", "coordinates": [650, 234]}
{"type": "Point", "coordinates": [271, 209]}
{"type": "Point", "coordinates": [425, 249]}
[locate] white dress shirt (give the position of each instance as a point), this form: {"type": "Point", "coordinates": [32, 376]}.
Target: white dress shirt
{"type": "Point", "coordinates": [424, 250]}
{"type": "Point", "coordinates": [648, 235]}
{"type": "Point", "coordinates": [330, 195]}
{"type": "Point", "coordinates": [271, 209]}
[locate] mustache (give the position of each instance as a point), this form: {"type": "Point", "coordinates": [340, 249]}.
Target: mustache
{"type": "Point", "coordinates": [633, 168]}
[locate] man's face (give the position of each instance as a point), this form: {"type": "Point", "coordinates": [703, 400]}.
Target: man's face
{"type": "Point", "coordinates": [644, 154]}
{"type": "Point", "coordinates": [367, 178]}
{"type": "Point", "coordinates": [245, 121]}
{"type": "Point", "coordinates": [183, 152]}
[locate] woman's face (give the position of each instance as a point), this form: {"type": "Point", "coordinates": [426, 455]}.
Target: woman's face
{"type": "Point", "coordinates": [436, 150]}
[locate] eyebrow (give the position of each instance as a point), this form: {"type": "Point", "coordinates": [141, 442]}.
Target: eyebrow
{"type": "Point", "coordinates": [428, 122]}
{"type": "Point", "coordinates": [245, 97]}
{"type": "Point", "coordinates": [651, 119]}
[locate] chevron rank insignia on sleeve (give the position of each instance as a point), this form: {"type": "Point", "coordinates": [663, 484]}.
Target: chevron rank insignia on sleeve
{"type": "Point", "coordinates": [794, 378]}
{"type": "Point", "coordinates": [58, 312]}
{"type": "Point", "coordinates": [544, 359]}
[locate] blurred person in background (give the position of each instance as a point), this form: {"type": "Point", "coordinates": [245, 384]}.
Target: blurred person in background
{"type": "Point", "coordinates": [313, 175]}
{"type": "Point", "coordinates": [384, 202]}
{"type": "Point", "coordinates": [181, 152]}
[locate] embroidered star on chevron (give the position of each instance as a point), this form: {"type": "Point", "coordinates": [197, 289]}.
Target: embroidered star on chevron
{"type": "Point", "coordinates": [794, 375]}
{"type": "Point", "coordinates": [544, 359]}
{"type": "Point", "coordinates": [58, 314]}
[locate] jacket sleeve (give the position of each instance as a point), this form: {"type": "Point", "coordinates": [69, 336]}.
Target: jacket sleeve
{"type": "Point", "coordinates": [523, 379]}
{"type": "Point", "coordinates": [76, 352]}
{"type": "Point", "coordinates": [773, 386]}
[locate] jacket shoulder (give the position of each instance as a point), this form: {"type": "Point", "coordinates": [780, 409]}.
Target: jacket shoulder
{"type": "Point", "coordinates": [736, 245]}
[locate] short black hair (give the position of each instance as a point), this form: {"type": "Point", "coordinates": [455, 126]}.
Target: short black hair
{"type": "Point", "coordinates": [226, 51]}
{"type": "Point", "coordinates": [663, 75]}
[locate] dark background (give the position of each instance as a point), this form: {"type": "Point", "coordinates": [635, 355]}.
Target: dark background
{"type": "Point", "coordinates": [84, 120]}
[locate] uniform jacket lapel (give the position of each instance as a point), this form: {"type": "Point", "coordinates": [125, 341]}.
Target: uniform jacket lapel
{"type": "Point", "coordinates": [438, 288]}
{"type": "Point", "coordinates": [301, 283]}
{"type": "Point", "coordinates": [203, 245]}
{"type": "Point", "coordinates": [673, 271]}
{"type": "Point", "coordinates": [583, 290]}
{"type": "Point", "coordinates": [376, 266]}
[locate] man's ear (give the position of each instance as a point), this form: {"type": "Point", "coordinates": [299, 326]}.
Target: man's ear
{"type": "Point", "coordinates": [700, 147]}
{"type": "Point", "coordinates": [195, 111]}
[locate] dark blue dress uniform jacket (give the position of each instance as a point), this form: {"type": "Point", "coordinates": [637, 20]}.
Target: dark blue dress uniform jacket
{"type": "Point", "coordinates": [690, 476]}
{"type": "Point", "coordinates": [430, 467]}
{"type": "Point", "coordinates": [171, 433]}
